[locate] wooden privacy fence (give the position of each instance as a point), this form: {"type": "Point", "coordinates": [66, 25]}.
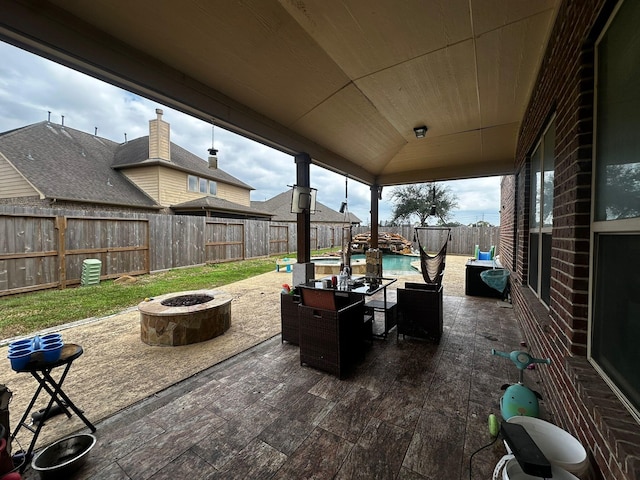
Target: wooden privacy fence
{"type": "Point", "coordinates": [224, 242]}
{"type": "Point", "coordinates": [463, 239]}
{"type": "Point", "coordinates": [47, 250]}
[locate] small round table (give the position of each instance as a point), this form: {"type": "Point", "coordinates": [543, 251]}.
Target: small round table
{"type": "Point", "coordinates": [41, 371]}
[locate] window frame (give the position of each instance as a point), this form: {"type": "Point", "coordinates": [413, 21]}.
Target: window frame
{"type": "Point", "coordinates": [200, 184]}
{"type": "Point", "coordinates": [195, 186]}
{"type": "Point", "coordinates": [540, 230]}
{"type": "Point", "coordinates": [615, 227]}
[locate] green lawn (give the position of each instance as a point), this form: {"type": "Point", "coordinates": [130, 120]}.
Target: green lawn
{"type": "Point", "coordinates": [30, 312]}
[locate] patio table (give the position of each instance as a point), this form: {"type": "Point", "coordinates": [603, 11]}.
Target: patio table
{"type": "Point", "coordinates": [41, 371]}
{"type": "Point", "coordinates": [367, 287]}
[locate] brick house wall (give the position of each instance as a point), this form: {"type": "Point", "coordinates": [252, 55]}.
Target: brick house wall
{"type": "Point", "coordinates": [575, 395]}
{"type": "Point", "coordinates": [507, 221]}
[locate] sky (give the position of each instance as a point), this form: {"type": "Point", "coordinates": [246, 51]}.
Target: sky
{"type": "Point", "coordinates": [31, 86]}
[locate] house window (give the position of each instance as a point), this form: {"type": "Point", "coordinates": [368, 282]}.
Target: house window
{"type": "Point", "coordinates": [541, 219]}
{"type": "Point", "coordinates": [201, 185]}
{"type": "Point", "coordinates": [193, 183]}
{"type": "Point", "coordinates": [615, 281]}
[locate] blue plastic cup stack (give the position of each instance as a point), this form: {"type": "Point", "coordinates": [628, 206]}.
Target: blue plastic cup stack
{"type": "Point", "coordinates": [48, 348]}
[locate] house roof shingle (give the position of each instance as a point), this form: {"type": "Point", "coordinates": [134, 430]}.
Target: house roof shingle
{"type": "Point", "coordinates": [86, 174]}
{"type": "Point", "coordinates": [213, 203]}
{"type": "Point", "coordinates": [135, 153]}
{"type": "Point", "coordinates": [67, 164]}
{"type": "Point", "coordinates": [280, 208]}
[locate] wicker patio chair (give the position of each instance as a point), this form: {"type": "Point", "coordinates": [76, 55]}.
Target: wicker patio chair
{"type": "Point", "coordinates": [420, 311]}
{"type": "Point", "coordinates": [331, 335]}
{"type": "Point", "coordinates": [289, 320]}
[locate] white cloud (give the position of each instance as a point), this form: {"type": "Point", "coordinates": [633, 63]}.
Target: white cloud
{"type": "Point", "coordinates": [31, 86]}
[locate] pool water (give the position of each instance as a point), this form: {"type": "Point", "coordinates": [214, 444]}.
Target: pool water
{"type": "Point", "coordinates": [394, 264]}
{"type": "Point", "coordinates": [391, 264]}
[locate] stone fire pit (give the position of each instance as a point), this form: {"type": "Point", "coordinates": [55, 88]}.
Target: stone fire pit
{"type": "Point", "coordinates": [184, 317]}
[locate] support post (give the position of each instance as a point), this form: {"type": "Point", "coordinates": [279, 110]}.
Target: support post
{"type": "Point", "coordinates": [376, 192]}
{"type": "Point", "coordinates": [303, 179]}
{"type": "Point", "coordinates": [304, 270]}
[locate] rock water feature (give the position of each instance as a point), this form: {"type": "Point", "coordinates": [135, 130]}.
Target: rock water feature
{"type": "Point", "coordinates": [185, 317]}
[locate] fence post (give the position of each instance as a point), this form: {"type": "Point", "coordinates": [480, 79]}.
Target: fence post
{"type": "Point", "coordinates": [61, 226]}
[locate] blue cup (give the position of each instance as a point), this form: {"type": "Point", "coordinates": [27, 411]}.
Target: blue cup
{"type": "Point", "coordinates": [21, 343]}
{"type": "Point", "coordinates": [50, 336]}
{"type": "Point", "coordinates": [51, 352]}
{"type": "Point", "coordinates": [20, 349]}
{"type": "Point", "coordinates": [19, 360]}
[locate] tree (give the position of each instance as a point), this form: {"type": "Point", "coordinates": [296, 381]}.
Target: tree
{"type": "Point", "coordinates": [417, 200]}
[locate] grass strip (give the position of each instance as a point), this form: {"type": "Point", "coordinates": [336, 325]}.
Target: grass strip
{"type": "Point", "coordinates": [26, 313]}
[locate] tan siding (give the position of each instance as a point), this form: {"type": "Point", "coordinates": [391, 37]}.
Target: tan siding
{"type": "Point", "coordinates": [234, 194]}
{"type": "Point", "coordinates": [146, 179]}
{"type": "Point", "coordinates": [173, 187]}
{"type": "Point", "coordinates": [12, 184]}
{"type": "Point", "coordinates": [169, 187]}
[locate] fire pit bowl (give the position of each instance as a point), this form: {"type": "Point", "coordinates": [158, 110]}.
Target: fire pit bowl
{"type": "Point", "coordinates": [183, 318]}
{"type": "Point", "coordinates": [62, 458]}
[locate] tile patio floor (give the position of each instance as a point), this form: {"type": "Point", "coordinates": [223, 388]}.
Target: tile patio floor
{"type": "Point", "coordinates": [410, 410]}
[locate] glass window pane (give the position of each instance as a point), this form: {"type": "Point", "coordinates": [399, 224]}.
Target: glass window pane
{"type": "Point", "coordinates": [213, 187]}
{"type": "Point", "coordinates": [534, 218]}
{"type": "Point", "coordinates": [549, 143]}
{"type": "Point", "coordinates": [618, 107]}
{"type": "Point", "coordinates": [193, 183]}
{"type": "Point", "coordinates": [616, 311]}
{"type": "Point", "coordinates": [545, 267]}
{"type": "Point", "coordinates": [533, 261]}
{"type": "Point", "coordinates": [203, 185]}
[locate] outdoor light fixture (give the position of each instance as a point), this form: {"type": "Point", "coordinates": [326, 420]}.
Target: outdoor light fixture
{"type": "Point", "coordinates": [420, 131]}
{"type": "Point", "coordinates": [303, 199]}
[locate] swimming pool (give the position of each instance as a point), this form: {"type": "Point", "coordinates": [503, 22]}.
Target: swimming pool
{"type": "Point", "coordinates": [391, 264]}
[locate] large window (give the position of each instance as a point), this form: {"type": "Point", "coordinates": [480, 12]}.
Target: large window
{"type": "Point", "coordinates": [615, 284]}
{"type": "Point", "coordinates": [541, 219]}
{"type": "Point", "coordinates": [201, 185]}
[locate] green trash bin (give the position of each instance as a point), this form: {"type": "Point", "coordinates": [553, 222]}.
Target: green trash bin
{"type": "Point", "coordinates": [91, 269]}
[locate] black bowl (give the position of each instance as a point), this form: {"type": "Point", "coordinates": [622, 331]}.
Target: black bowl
{"type": "Point", "coordinates": [63, 457]}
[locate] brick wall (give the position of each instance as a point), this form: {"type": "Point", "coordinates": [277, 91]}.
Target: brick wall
{"type": "Point", "coordinates": [507, 221]}
{"type": "Point", "coordinates": [576, 396]}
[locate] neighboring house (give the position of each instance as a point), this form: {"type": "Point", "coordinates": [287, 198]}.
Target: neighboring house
{"type": "Point", "coordinates": [280, 207]}
{"type": "Point", "coordinates": [47, 163]}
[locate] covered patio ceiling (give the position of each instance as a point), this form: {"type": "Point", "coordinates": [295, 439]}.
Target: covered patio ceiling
{"type": "Point", "coordinates": [345, 81]}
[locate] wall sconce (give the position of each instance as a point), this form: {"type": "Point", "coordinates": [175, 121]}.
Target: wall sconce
{"type": "Point", "coordinates": [303, 199]}
{"type": "Point", "coordinates": [420, 131]}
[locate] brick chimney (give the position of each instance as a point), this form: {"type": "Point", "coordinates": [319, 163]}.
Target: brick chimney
{"type": "Point", "coordinates": [159, 138]}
